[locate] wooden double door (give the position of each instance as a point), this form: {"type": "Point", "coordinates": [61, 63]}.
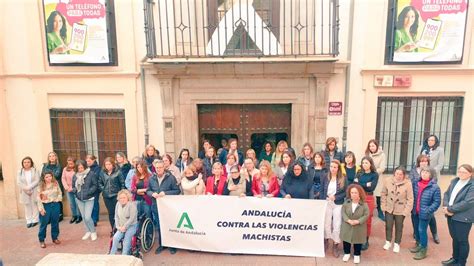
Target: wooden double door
{"type": "Point", "coordinates": [251, 124]}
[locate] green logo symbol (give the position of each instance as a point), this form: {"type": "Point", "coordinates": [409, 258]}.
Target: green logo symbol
{"type": "Point", "coordinates": [185, 218]}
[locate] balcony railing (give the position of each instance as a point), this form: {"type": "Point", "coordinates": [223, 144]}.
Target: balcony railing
{"type": "Point", "coordinates": [241, 28]}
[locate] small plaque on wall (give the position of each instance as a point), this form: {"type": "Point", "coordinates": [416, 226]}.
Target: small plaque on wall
{"type": "Point", "coordinates": [335, 108]}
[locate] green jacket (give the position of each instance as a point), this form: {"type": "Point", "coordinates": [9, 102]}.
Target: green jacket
{"type": "Point", "coordinates": [54, 41]}
{"type": "Point", "coordinates": [356, 234]}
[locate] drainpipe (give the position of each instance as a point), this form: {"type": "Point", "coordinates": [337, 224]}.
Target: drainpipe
{"type": "Point", "coordinates": [348, 76]}
{"type": "Point", "coordinates": [144, 103]}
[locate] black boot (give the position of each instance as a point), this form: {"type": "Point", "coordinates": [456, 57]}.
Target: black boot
{"type": "Point", "coordinates": [436, 238]}
{"type": "Point", "coordinates": [73, 220]}
{"type": "Point", "coordinates": [79, 219]}
{"type": "Point", "coordinates": [365, 246]}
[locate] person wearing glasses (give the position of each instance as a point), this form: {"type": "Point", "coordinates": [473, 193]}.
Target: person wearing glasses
{"type": "Point", "coordinates": [237, 185]}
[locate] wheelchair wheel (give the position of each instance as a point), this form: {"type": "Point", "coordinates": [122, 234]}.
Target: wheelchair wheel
{"type": "Point", "coordinates": [147, 235]}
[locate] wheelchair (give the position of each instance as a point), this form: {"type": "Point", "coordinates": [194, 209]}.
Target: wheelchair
{"type": "Point", "coordinates": [142, 240]}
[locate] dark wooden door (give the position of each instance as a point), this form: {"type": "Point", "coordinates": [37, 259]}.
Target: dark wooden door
{"type": "Point", "coordinates": [251, 124]}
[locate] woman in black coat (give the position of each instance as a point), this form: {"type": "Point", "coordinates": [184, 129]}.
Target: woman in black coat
{"type": "Point", "coordinates": [458, 206]}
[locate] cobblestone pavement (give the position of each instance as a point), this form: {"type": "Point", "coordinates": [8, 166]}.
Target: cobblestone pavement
{"type": "Point", "coordinates": [19, 246]}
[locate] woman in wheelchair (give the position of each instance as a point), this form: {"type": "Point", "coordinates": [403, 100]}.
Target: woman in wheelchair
{"type": "Point", "coordinates": [125, 222]}
{"type": "Point", "coordinates": [138, 188]}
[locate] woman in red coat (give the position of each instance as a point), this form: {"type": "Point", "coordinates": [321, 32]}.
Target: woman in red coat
{"type": "Point", "coordinates": [265, 184]}
{"type": "Point", "coordinates": [215, 183]}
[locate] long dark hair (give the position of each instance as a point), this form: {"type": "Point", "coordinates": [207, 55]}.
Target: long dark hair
{"type": "Point", "coordinates": [50, 24]}
{"type": "Point", "coordinates": [27, 158]}
{"type": "Point", "coordinates": [372, 164]}
{"type": "Point", "coordinates": [426, 148]}
{"type": "Point", "coordinates": [367, 150]}
{"type": "Point", "coordinates": [401, 19]}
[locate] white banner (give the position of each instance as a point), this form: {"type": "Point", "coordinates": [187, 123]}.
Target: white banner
{"type": "Point", "coordinates": [248, 225]}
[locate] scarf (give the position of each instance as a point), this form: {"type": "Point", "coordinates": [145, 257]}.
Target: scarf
{"type": "Point", "coordinates": [422, 184]}
{"type": "Point", "coordinates": [80, 179]}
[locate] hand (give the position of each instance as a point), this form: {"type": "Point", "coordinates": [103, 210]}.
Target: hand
{"type": "Point", "coordinates": [259, 196]}
{"type": "Point", "coordinates": [209, 193]}
{"type": "Point", "coordinates": [269, 195]}
{"type": "Point", "coordinates": [408, 47]}
{"type": "Point", "coordinates": [61, 49]}
{"type": "Point", "coordinates": [154, 195]}
{"type": "Point", "coordinates": [356, 180]}
{"type": "Point", "coordinates": [233, 187]}
{"type": "Point", "coordinates": [331, 198]}
{"type": "Point", "coordinates": [288, 196]}
{"type": "Point", "coordinates": [242, 195]}
{"type": "Point", "coordinates": [122, 229]}
{"type": "Point", "coordinates": [42, 212]}
{"type": "Point", "coordinates": [449, 214]}
{"type": "Point", "coordinates": [200, 176]}
{"type": "Point", "coordinates": [162, 194]}
{"type": "Point", "coordinates": [69, 190]}
{"type": "Point", "coordinates": [369, 184]}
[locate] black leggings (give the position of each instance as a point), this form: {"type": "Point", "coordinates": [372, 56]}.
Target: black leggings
{"type": "Point", "coordinates": [347, 248]}
{"type": "Point", "coordinates": [110, 205]}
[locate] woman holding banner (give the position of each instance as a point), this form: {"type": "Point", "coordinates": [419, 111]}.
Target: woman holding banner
{"type": "Point", "coordinates": [355, 213]}
{"type": "Point", "coordinates": [297, 184]}
{"type": "Point", "coordinates": [215, 183]}
{"type": "Point", "coordinates": [333, 189]}
{"type": "Point", "coordinates": [265, 183]}
{"type": "Point", "coordinates": [237, 185]}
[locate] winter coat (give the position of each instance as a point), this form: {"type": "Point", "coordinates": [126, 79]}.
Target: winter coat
{"type": "Point", "coordinates": [207, 165]}
{"type": "Point", "coordinates": [354, 234]}
{"type": "Point", "coordinates": [181, 164]}
{"type": "Point", "coordinates": [397, 197]}
{"type": "Point", "coordinates": [380, 163]}
{"type": "Point", "coordinates": [193, 187]}
{"type": "Point", "coordinates": [220, 185]}
{"type": "Point", "coordinates": [463, 206]}
{"type": "Point", "coordinates": [337, 156]}
{"type": "Point", "coordinates": [125, 168]}
{"type": "Point", "coordinates": [22, 185]}
{"type": "Point", "coordinates": [89, 189]}
{"type": "Point", "coordinates": [363, 179]}
{"type": "Point", "coordinates": [169, 186]}
{"type": "Point", "coordinates": [111, 184]}
{"type": "Point", "coordinates": [298, 187]}
{"type": "Point", "coordinates": [344, 171]}
{"type": "Point", "coordinates": [317, 175]}
{"type": "Point", "coordinates": [57, 172]}
{"type": "Point", "coordinates": [430, 200]}
{"type": "Point", "coordinates": [307, 163]}
{"type": "Point", "coordinates": [340, 191]}
{"type": "Point", "coordinates": [436, 159]}
{"type": "Point", "coordinates": [172, 169]}
{"type": "Point", "coordinates": [274, 187]}
{"type": "Point", "coordinates": [243, 187]}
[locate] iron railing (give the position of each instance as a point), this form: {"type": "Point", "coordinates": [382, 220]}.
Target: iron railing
{"type": "Point", "coordinates": [404, 122]}
{"type": "Point", "coordinates": [78, 132]}
{"type": "Point", "coordinates": [241, 28]}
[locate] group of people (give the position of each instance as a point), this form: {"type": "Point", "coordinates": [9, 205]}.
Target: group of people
{"type": "Point", "coordinates": [352, 191]}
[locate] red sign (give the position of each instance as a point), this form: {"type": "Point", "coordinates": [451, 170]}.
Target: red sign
{"type": "Point", "coordinates": [402, 81]}
{"type": "Point", "coordinates": [335, 108]}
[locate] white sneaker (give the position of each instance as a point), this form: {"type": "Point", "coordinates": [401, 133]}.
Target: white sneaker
{"type": "Point", "coordinates": [94, 236]}
{"type": "Point", "coordinates": [346, 257]}
{"type": "Point", "coordinates": [356, 259]}
{"type": "Point", "coordinates": [387, 245]}
{"type": "Point", "coordinates": [396, 248]}
{"type": "Point", "coordinates": [86, 236]}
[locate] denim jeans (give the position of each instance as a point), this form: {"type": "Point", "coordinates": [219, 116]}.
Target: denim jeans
{"type": "Point", "coordinates": [127, 240]}
{"type": "Point", "coordinates": [71, 197]}
{"type": "Point", "coordinates": [421, 230]}
{"type": "Point", "coordinates": [96, 208]}
{"type": "Point", "coordinates": [143, 208]}
{"type": "Point", "coordinates": [51, 216]}
{"type": "Point", "coordinates": [85, 207]}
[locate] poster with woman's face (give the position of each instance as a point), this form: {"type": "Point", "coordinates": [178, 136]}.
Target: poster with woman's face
{"type": "Point", "coordinates": [428, 31]}
{"type": "Point", "coordinates": [76, 32]}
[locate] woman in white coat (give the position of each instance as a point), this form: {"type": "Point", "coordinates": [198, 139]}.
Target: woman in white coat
{"type": "Point", "coordinates": [27, 179]}
{"type": "Point", "coordinates": [380, 162]}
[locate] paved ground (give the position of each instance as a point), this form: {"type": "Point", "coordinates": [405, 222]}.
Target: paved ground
{"type": "Point", "coordinates": [19, 246]}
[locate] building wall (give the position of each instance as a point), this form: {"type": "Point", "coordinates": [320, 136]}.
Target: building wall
{"type": "Point", "coordinates": [30, 87]}
{"type": "Point", "coordinates": [367, 60]}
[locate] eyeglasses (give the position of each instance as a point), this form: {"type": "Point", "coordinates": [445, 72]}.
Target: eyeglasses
{"type": "Point", "coordinates": [234, 172]}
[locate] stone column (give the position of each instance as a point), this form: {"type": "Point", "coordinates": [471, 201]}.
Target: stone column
{"type": "Point", "coordinates": [166, 90]}
{"type": "Point", "coordinates": [322, 86]}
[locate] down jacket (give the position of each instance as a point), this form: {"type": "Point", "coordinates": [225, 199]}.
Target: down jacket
{"type": "Point", "coordinates": [430, 200]}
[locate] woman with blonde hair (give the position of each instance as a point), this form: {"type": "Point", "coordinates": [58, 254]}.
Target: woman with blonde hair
{"type": "Point", "coordinates": [125, 222]}
{"type": "Point", "coordinates": [215, 183]}
{"type": "Point", "coordinates": [280, 148]}
{"type": "Point", "coordinates": [249, 170]}
{"type": "Point", "coordinates": [149, 155]}
{"type": "Point", "coordinates": [265, 183]}
{"type": "Point", "coordinates": [250, 153]}
{"type": "Point", "coordinates": [191, 182]}
{"type": "Point", "coordinates": [27, 179]}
